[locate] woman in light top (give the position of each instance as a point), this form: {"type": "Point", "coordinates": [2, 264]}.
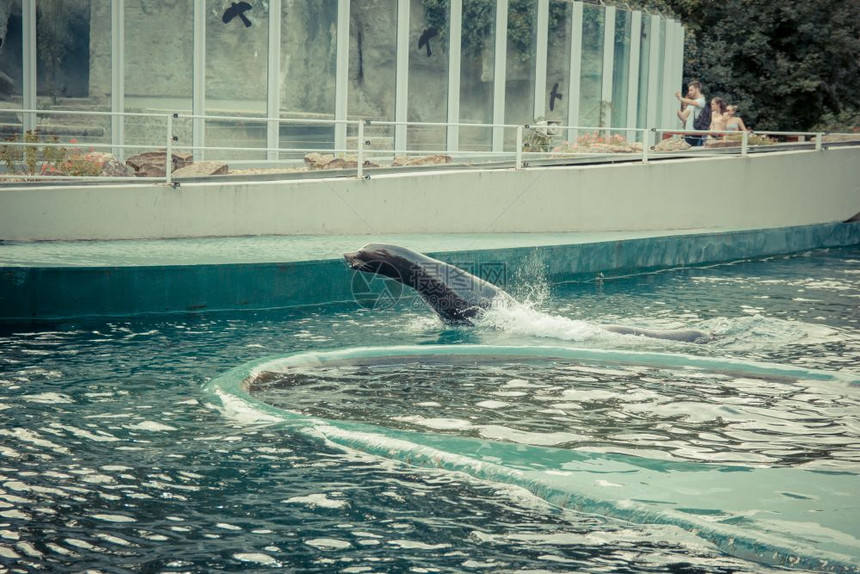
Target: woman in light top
{"type": "Point", "coordinates": [719, 117]}
{"type": "Point", "coordinates": [734, 123]}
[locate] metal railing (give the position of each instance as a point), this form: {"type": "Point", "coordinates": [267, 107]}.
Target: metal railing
{"type": "Point", "coordinates": [525, 145]}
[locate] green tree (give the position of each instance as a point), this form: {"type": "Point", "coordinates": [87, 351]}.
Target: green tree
{"type": "Point", "coordinates": [787, 65]}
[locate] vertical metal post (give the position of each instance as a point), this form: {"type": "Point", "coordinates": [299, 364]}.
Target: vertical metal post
{"type": "Point", "coordinates": [455, 36]}
{"type": "Point", "coordinates": [541, 58]}
{"type": "Point", "coordinates": [168, 162]}
{"type": "Point", "coordinates": [341, 76]}
{"type": "Point", "coordinates": [401, 76]}
{"type": "Point", "coordinates": [198, 91]}
{"type": "Point", "coordinates": [117, 91]}
{"type": "Point", "coordinates": [519, 160]}
{"type": "Point", "coordinates": [273, 86]}
{"type": "Point", "coordinates": [745, 143]}
{"type": "Point", "coordinates": [819, 137]}
{"type": "Point", "coordinates": [575, 81]}
{"type": "Point", "coordinates": [499, 74]}
{"type": "Point", "coordinates": [359, 151]}
{"type": "Point", "coordinates": [608, 67]}
{"type": "Point", "coordinates": [646, 144]}
{"type": "Point", "coordinates": [28, 21]}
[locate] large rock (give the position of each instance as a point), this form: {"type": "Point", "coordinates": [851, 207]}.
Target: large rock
{"type": "Point", "coordinates": [202, 169]}
{"type": "Point", "coordinates": [316, 160]}
{"type": "Point", "coordinates": [422, 160]}
{"type": "Point", "coordinates": [151, 163]}
{"type": "Point", "coordinates": [112, 167]}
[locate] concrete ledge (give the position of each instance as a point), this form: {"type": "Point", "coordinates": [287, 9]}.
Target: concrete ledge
{"type": "Point", "coordinates": [729, 192]}
{"type": "Point", "coordinates": [48, 293]}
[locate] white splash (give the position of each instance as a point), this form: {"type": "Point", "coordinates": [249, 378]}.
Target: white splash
{"type": "Point", "coordinates": [316, 500]}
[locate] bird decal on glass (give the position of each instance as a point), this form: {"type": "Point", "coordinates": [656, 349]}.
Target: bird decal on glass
{"type": "Point", "coordinates": [237, 9]}
{"type": "Point", "coordinates": [424, 40]}
{"type": "Point", "coordinates": [553, 96]}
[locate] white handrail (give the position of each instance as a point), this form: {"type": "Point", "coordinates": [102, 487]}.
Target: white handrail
{"type": "Point", "coordinates": [364, 147]}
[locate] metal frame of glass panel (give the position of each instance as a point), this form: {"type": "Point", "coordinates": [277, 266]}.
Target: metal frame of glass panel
{"type": "Point", "coordinates": [664, 77]}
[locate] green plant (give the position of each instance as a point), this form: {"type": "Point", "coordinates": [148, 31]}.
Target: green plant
{"type": "Point", "coordinates": [537, 138]}
{"type": "Point", "coordinates": [36, 154]}
{"type": "Point", "coordinates": [81, 164]}
{"type": "Point", "coordinates": [11, 154]}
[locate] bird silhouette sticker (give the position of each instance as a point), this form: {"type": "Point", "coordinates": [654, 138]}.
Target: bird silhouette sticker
{"type": "Point", "coordinates": [553, 96]}
{"type": "Point", "coordinates": [424, 40]}
{"type": "Point", "coordinates": [237, 9]}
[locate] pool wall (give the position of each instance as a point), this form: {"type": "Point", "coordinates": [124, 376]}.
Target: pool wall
{"type": "Point", "coordinates": [57, 292]}
{"type": "Point", "coordinates": [769, 190]}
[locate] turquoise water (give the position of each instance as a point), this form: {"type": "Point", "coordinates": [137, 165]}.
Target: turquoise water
{"type": "Point", "coordinates": [116, 456]}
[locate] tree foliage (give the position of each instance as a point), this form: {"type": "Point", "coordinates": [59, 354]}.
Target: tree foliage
{"type": "Point", "coordinates": [787, 65]}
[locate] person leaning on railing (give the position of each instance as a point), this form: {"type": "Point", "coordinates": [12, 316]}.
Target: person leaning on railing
{"type": "Point", "coordinates": [719, 119]}
{"type": "Point", "coordinates": [734, 123]}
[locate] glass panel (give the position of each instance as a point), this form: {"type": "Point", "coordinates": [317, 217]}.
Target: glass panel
{"type": "Point", "coordinates": [373, 69]}
{"type": "Point", "coordinates": [11, 73]}
{"type": "Point", "coordinates": [520, 71]}
{"type": "Point", "coordinates": [159, 43]}
{"type": "Point", "coordinates": [591, 80]}
{"type": "Point", "coordinates": [237, 41]}
{"type": "Point", "coordinates": [63, 79]}
{"type": "Point", "coordinates": [477, 60]}
{"type": "Point", "coordinates": [621, 69]}
{"type": "Point", "coordinates": [428, 74]}
{"type": "Point", "coordinates": [644, 71]}
{"type": "Point", "coordinates": [308, 67]}
{"type": "Point", "coordinates": [558, 62]}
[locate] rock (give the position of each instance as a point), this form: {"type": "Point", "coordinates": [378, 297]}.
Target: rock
{"type": "Point", "coordinates": [151, 163]}
{"type": "Point", "coordinates": [202, 169]}
{"type": "Point", "coordinates": [112, 167]}
{"type": "Point", "coordinates": [340, 163]}
{"type": "Point", "coordinates": [316, 160]}
{"type": "Point", "coordinates": [422, 160]}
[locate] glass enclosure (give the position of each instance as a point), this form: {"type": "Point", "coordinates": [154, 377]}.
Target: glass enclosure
{"type": "Point", "coordinates": [477, 72]}
{"type": "Point", "coordinates": [236, 58]}
{"type": "Point", "coordinates": [158, 56]}
{"type": "Point", "coordinates": [307, 74]}
{"type": "Point", "coordinates": [621, 70]}
{"type": "Point", "coordinates": [520, 69]}
{"type": "Point", "coordinates": [591, 103]}
{"type": "Point", "coordinates": [11, 71]}
{"type": "Point", "coordinates": [265, 79]}
{"type": "Point", "coordinates": [560, 37]}
{"type": "Point", "coordinates": [428, 75]}
{"type": "Point", "coordinates": [644, 73]}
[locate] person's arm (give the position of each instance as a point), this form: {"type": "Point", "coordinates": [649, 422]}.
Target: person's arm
{"type": "Point", "coordinates": [687, 101]}
{"type": "Point", "coordinates": [742, 125]}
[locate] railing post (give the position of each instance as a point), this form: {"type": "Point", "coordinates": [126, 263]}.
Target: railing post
{"type": "Point", "coordinates": [168, 162]}
{"type": "Point", "coordinates": [646, 144]}
{"type": "Point", "coordinates": [359, 151]}
{"type": "Point", "coordinates": [519, 161]}
{"type": "Point", "coordinates": [745, 143]}
{"type": "Point", "coordinates": [818, 140]}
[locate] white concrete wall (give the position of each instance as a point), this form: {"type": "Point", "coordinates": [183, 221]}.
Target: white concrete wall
{"type": "Point", "coordinates": [761, 191]}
